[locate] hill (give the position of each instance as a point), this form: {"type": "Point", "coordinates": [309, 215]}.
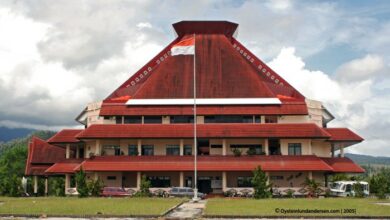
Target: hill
{"type": "Point", "coordinates": [7, 134]}
{"type": "Point", "coordinates": [369, 160]}
{"type": "Point", "coordinates": [23, 141]}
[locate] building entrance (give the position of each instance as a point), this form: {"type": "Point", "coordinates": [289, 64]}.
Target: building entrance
{"type": "Point", "coordinates": [204, 185]}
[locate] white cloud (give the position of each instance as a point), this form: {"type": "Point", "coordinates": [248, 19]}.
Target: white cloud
{"type": "Point", "coordinates": [360, 69]}
{"type": "Point", "coordinates": [354, 103]}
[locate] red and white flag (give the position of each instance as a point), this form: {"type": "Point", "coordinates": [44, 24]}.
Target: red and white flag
{"type": "Point", "coordinates": [184, 47]}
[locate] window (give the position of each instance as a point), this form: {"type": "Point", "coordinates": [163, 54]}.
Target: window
{"type": "Point", "coordinates": [216, 146]}
{"type": "Point", "coordinates": [271, 119]}
{"type": "Point", "coordinates": [187, 150]}
{"type": "Point", "coordinates": [276, 177]}
{"type": "Point", "coordinates": [147, 150]}
{"type": "Point", "coordinates": [294, 149]}
{"type": "Point", "coordinates": [111, 177]}
{"type": "Point", "coordinates": [245, 181]}
{"type": "Point", "coordinates": [111, 150]}
{"type": "Point", "coordinates": [257, 119]}
{"type": "Point", "coordinates": [118, 119]}
{"type": "Point", "coordinates": [152, 119]}
{"type": "Point", "coordinates": [181, 119]}
{"type": "Point", "coordinates": [133, 150]}
{"type": "Point", "coordinates": [173, 150]}
{"type": "Point", "coordinates": [228, 119]}
{"type": "Point", "coordinates": [132, 120]}
{"type": "Point", "coordinates": [159, 181]}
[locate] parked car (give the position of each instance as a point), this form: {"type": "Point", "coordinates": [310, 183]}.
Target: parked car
{"type": "Point", "coordinates": [185, 192]}
{"type": "Point", "coordinates": [345, 188]}
{"type": "Point", "coordinates": [114, 192]}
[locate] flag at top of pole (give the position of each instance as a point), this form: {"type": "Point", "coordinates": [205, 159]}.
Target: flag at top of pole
{"type": "Point", "coordinates": [184, 47]}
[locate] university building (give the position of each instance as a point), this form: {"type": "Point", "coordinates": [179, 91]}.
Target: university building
{"type": "Point", "coordinates": [247, 116]}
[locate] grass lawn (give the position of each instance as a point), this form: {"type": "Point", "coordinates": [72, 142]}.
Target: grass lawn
{"type": "Point", "coordinates": [86, 206]}
{"type": "Point", "coordinates": [272, 207]}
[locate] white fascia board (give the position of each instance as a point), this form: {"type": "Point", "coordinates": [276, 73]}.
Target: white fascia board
{"type": "Point", "coordinates": [223, 101]}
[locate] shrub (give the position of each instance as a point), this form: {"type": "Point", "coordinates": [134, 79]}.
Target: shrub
{"type": "Point", "coordinates": [95, 187]}
{"type": "Point", "coordinates": [251, 151]}
{"type": "Point", "coordinates": [290, 193]}
{"type": "Point", "coordinates": [312, 186]}
{"type": "Point", "coordinates": [81, 183]}
{"type": "Point", "coordinates": [144, 188]}
{"type": "Point", "coordinates": [260, 184]}
{"type": "Point", "coordinates": [358, 189]}
{"type": "Point", "coordinates": [237, 152]}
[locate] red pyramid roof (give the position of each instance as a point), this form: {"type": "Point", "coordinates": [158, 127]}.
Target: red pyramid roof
{"type": "Point", "coordinates": [225, 69]}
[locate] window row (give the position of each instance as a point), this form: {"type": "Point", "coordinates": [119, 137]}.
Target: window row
{"type": "Point", "coordinates": [146, 150]}
{"type": "Point", "coordinates": [185, 119]}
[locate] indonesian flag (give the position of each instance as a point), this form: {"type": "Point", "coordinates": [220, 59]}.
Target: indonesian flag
{"type": "Point", "coordinates": [184, 47]}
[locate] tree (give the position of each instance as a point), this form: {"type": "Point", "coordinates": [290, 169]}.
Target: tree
{"type": "Point", "coordinates": [380, 183]}
{"type": "Point", "coordinates": [260, 184]}
{"type": "Point", "coordinates": [81, 184]}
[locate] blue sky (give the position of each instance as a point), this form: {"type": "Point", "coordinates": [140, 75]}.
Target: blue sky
{"type": "Point", "coordinates": [59, 55]}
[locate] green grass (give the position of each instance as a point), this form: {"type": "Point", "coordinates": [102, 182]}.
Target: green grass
{"type": "Point", "coordinates": [59, 206]}
{"type": "Point", "coordinates": [267, 207]}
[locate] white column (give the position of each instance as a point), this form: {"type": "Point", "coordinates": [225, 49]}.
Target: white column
{"type": "Point", "coordinates": [67, 182]}
{"type": "Point", "coordinates": [95, 176]}
{"type": "Point", "coordinates": [181, 184]}
{"type": "Point", "coordinates": [224, 181]}
{"type": "Point", "coordinates": [97, 148]}
{"type": "Point", "coordinates": [310, 151]}
{"type": "Point", "coordinates": [138, 180]}
{"type": "Point", "coordinates": [46, 185]}
{"type": "Point", "coordinates": [266, 147]}
{"type": "Point", "coordinates": [267, 174]}
{"type": "Point", "coordinates": [67, 151]}
{"type": "Point", "coordinates": [342, 150]}
{"type": "Point", "coordinates": [224, 147]}
{"type": "Point", "coordinates": [139, 147]}
{"type": "Point", "coordinates": [35, 184]}
{"type": "Point", "coordinates": [310, 175]}
{"type": "Point", "coordinates": [181, 147]}
{"type": "Point", "coordinates": [77, 152]}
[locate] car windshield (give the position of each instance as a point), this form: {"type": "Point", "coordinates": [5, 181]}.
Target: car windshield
{"type": "Point", "coordinates": [190, 190]}
{"type": "Point", "coordinates": [182, 190]}
{"type": "Point", "coordinates": [336, 185]}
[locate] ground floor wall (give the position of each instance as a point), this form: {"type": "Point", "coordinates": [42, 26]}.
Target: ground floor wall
{"type": "Point", "coordinates": [208, 182]}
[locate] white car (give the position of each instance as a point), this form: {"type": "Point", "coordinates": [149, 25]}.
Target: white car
{"type": "Point", "coordinates": [346, 189]}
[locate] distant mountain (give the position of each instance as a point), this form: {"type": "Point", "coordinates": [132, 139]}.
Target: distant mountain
{"type": "Point", "coordinates": [7, 134]}
{"type": "Point", "coordinates": [23, 141]}
{"type": "Point", "coordinates": [366, 159]}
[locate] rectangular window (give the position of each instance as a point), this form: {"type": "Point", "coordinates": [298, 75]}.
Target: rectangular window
{"type": "Point", "coordinates": [187, 150]}
{"type": "Point", "coordinates": [152, 120]}
{"type": "Point", "coordinates": [133, 150]}
{"type": "Point", "coordinates": [118, 119]}
{"type": "Point", "coordinates": [176, 119]}
{"type": "Point", "coordinates": [216, 146]}
{"type": "Point", "coordinates": [294, 149]}
{"type": "Point", "coordinates": [147, 150]}
{"type": "Point", "coordinates": [257, 119]}
{"type": "Point", "coordinates": [132, 119]}
{"type": "Point", "coordinates": [173, 150]}
{"type": "Point", "coordinates": [244, 181]}
{"type": "Point", "coordinates": [111, 177]}
{"type": "Point", "coordinates": [159, 181]}
{"type": "Point", "coordinates": [276, 177]}
{"type": "Point", "coordinates": [271, 119]}
{"type": "Point", "coordinates": [228, 119]}
{"type": "Point", "coordinates": [111, 150]}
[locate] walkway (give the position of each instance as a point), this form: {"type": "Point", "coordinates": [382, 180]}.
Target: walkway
{"type": "Point", "coordinates": [188, 210]}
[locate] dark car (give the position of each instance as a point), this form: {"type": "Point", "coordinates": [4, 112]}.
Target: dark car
{"type": "Point", "coordinates": [185, 192]}
{"type": "Point", "coordinates": [114, 192]}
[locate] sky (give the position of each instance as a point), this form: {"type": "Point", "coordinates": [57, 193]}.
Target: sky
{"type": "Point", "coordinates": [57, 56]}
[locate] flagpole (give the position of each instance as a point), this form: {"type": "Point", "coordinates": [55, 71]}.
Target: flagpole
{"type": "Point", "coordinates": [195, 198]}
